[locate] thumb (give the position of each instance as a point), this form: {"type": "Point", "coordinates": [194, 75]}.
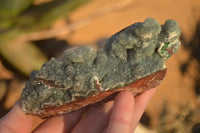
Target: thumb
{"type": "Point", "coordinates": [16, 121]}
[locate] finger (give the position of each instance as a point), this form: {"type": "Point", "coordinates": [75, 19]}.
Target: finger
{"type": "Point", "coordinates": [61, 123]}
{"type": "Point", "coordinates": [141, 102]}
{"type": "Point", "coordinates": [121, 116]}
{"type": "Point", "coordinates": [96, 119]}
{"type": "Point", "coordinates": [16, 121]}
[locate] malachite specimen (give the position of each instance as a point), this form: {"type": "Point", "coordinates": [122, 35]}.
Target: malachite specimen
{"type": "Point", "coordinates": [133, 53]}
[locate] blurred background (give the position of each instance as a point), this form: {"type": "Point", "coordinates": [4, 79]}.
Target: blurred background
{"type": "Point", "coordinates": [33, 31]}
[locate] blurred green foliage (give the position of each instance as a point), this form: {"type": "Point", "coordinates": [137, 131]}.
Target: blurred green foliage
{"type": "Point", "coordinates": [19, 17]}
{"type": "Point", "coordinates": [11, 8]}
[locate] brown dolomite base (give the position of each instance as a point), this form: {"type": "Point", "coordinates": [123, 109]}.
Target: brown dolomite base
{"type": "Point", "coordinates": [136, 88]}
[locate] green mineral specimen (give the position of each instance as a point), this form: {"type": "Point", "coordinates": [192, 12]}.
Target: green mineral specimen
{"type": "Point", "coordinates": [133, 53]}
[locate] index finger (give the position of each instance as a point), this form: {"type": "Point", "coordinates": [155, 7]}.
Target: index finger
{"type": "Point", "coordinates": [141, 102]}
{"type": "Point", "coordinates": [121, 116]}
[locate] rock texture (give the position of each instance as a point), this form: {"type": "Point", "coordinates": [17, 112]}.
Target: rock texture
{"type": "Point", "coordinates": [132, 59]}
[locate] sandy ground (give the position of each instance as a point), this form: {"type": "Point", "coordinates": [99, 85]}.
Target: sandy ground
{"type": "Point", "coordinates": [106, 17]}
{"type": "Point", "coordinates": [101, 18]}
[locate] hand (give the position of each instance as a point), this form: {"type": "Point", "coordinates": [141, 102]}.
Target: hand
{"type": "Point", "coordinates": [120, 115]}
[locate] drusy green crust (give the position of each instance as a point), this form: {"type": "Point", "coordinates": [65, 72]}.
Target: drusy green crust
{"type": "Point", "coordinates": [133, 53]}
